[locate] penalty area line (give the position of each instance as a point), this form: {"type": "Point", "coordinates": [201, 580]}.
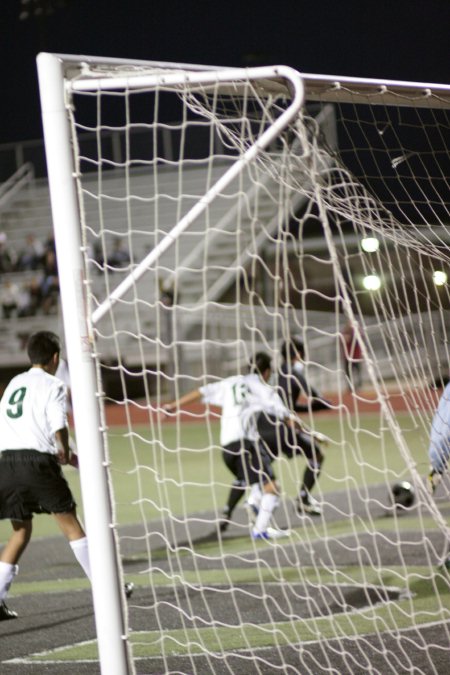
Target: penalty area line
{"type": "Point", "coordinates": [31, 658]}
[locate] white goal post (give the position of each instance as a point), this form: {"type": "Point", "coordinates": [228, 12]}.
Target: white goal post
{"type": "Point", "coordinates": [201, 215]}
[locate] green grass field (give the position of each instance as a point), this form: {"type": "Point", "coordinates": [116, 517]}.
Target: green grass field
{"type": "Point", "coordinates": [183, 470]}
{"type": "Point", "coordinates": [179, 471]}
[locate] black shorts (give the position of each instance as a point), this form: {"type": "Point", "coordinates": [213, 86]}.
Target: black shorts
{"type": "Point", "coordinates": [247, 463]}
{"type": "Point", "coordinates": [32, 482]}
{"type": "Point", "coordinates": [277, 438]}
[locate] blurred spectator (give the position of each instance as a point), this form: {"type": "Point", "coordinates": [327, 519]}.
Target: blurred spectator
{"type": "Point", "coordinates": [352, 355]}
{"type": "Point", "coordinates": [30, 258]}
{"type": "Point", "coordinates": [10, 298]}
{"type": "Point", "coordinates": [7, 256]}
{"type": "Point", "coordinates": [50, 244]}
{"type": "Point", "coordinates": [95, 255]}
{"type": "Point", "coordinates": [119, 256]}
{"type": "Point", "coordinates": [30, 298]}
{"type": "Point", "coordinates": [50, 283]}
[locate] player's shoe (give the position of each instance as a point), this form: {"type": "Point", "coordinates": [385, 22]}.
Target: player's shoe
{"type": "Point", "coordinates": [128, 588]}
{"type": "Point", "coordinates": [307, 505]}
{"type": "Point", "coordinates": [6, 614]}
{"type": "Point", "coordinates": [270, 533]}
{"type": "Point", "coordinates": [225, 519]}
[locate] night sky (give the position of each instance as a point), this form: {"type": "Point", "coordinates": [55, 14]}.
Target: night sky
{"type": "Point", "coordinates": [389, 39]}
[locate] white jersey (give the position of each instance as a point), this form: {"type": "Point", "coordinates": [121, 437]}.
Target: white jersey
{"type": "Point", "coordinates": [241, 398]}
{"type": "Point", "coordinates": [262, 398]}
{"type": "Point", "coordinates": [32, 409]}
{"type": "Point", "coordinates": [62, 373]}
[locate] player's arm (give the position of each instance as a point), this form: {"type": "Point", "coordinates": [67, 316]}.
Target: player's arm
{"type": "Point", "coordinates": [178, 403]}
{"type": "Point", "coordinates": [62, 444]}
{"type": "Point", "coordinates": [315, 401]}
{"type": "Point", "coordinates": [296, 423]}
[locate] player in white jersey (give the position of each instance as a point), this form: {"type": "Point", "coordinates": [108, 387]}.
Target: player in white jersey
{"type": "Point", "coordinates": [34, 442]}
{"type": "Point", "coordinates": [276, 429]}
{"type": "Point", "coordinates": [237, 397]}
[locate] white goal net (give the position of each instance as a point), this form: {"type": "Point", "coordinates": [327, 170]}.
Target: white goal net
{"type": "Point", "coordinates": [201, 216]}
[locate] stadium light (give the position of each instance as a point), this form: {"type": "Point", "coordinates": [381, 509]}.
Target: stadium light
{"type": "Point", "coordinates": [372, 282]}
{"type": "Point", "coordinates": [370, 244]}
{"type": "Point", "coordinates": [439, 278]}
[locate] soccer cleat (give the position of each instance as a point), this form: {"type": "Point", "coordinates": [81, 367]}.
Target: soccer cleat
{"type": "Point", "coordinates": [270, 533]}
{"type": "Point", "coordinates": [128, 588]}
{"type": "Point", "coordinates": [223, 525]}
{"type": "Point", "coordinates": [225, 519]}
{"type": "Point", "coordinates": [6, 613]}
{"type": "Point", "coordinates": [307, 505]}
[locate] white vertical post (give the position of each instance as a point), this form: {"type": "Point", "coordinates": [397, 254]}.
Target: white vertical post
{"type": "Point", "coordinates": [106, 579]}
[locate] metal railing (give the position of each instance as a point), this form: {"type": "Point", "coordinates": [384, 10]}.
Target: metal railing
{"type": "Point", "coordinates": [15, 183]}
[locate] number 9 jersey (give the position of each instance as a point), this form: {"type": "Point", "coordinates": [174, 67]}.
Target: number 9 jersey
{"type": "Point", "coordinates": [32, 409]}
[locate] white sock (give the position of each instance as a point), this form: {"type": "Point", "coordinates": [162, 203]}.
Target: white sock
{"type": "Point", "coordinates": [81, 552]}
{"type": "Point", "coordinates": [268, 503]}
{"type": "Point", "coordinates": [7, 574]}
{"type": "Point", "coordinates": [255, 495]}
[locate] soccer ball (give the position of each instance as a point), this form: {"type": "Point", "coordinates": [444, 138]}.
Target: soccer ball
{"type": "Point", "coordinates": [403, 495]}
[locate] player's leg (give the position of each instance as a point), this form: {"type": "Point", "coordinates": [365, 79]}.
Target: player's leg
{"type": "Point", "coordinates": [9, 557]}
{"type": "Point", "coordinates": [231, 457]}
{"type": "Point", "coordinates": [18, 541]}
{"type": "Point", "coordinates": [235, 495]}
{"type": "Point", "coordinates": [73, 531]}
{"type": "Point", "coordinates": [278, 439]}
{"type": "Point", "coordinates": [306, 446]}
{"type": "Point", "coordinates": [271, 433]}
{"type": "Point", "coordinates": [260, 472]}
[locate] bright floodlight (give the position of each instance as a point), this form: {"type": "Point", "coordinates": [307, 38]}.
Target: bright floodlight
{"type": "Point", "coordinates": [372, 282]}
{"type": "Point", "coordinates": [439, 278]}
{"type": "Point", "coordinates": [370, 244]}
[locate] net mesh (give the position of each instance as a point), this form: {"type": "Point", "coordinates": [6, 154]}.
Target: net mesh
{"type": "Point", "coordinates": [277, 253]}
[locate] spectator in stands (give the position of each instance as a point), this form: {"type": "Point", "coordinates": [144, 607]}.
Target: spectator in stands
{"type": "Point", "coordinates": [31, 256]}
{"type": "Point", "coordinates": [119, 256]}
{"type": "Point", "coordinates": [29, 298]}
{"type": "Point", "coordinates": [50, 244]}
{"type": "Point", "coordinates": [352, 355]}
{"type": "Point", "coordinates": [50, 283]}
{"type": "Point", "coordinates": [7, 256]}
{"type": "Point", "coordinates": [96, 254]}
{"type": "Point", "coordinates": [10, 298]}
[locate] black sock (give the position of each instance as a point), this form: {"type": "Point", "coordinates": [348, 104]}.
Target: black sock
{"type": "Point", "coordinates": [309, 480]}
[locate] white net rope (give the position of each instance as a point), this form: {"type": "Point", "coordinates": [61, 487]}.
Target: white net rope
{"type": "Point", "coordinates": [278, 254]}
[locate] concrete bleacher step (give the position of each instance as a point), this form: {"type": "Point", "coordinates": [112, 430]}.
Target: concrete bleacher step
{"type": "Point", "coordinates": [225, 234]}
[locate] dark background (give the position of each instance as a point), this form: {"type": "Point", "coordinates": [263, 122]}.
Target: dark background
{"type": "Point", "coordinates": [396, 39]}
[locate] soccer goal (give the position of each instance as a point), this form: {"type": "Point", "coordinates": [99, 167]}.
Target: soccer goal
{"type": "Point", "coordinates": [204, 214]}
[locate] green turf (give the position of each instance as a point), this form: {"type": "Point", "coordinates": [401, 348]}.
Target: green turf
{"type": "Point", "coordinates": [420, 605]}
{"type": "Point", "coordinates": [180, 469]}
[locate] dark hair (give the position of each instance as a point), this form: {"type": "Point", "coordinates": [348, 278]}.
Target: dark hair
{"type": "Point", "coordinates": [41, 347]}
{"type": "Point", "coordinates": [260, 363]}
{"type": "Point", "coordinates": [293, 349]}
